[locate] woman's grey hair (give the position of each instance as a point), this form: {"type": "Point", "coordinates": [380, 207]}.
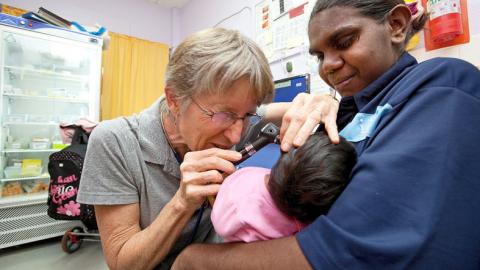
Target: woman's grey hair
{"type": "Point", "coordinates": [210, 61]}
{"type": "Point", "coordinates": [375, 9]}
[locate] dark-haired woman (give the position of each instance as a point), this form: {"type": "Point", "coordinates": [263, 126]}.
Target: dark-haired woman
{"type": "Point", "coordinates": [413, 200]}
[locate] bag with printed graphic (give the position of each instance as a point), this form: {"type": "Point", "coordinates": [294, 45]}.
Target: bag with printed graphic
{"type": "Point", "coordinates": [65, 168]}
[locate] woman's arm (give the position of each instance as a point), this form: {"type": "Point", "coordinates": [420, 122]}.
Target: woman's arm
{"type": "Point", "coordinates": [109, 184]}
{"type": "Point", "coordinates": [126, 246]}
{"type": "Point", "coordinates": [284, 253]}
{"type": "Point", "coordinates": [298, 118]}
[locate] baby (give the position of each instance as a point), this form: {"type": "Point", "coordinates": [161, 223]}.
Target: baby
{"type": "Point", "coordinates": [261, 204]}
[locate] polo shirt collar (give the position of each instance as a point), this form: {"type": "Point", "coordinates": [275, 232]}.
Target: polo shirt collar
{"type": "Point", "coordinates": [153, 142]}
{"type": "Point", "coordinates": [350, 106]}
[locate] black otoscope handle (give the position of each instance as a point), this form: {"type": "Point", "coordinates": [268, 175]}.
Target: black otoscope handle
{"type": "Point", "coordinates": [268, 134]}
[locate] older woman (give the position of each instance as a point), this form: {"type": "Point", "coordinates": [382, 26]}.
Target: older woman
{"type": "Point", "coordinates": [413, 200]}
{"type": "Point", "coordinates": [148, 175]}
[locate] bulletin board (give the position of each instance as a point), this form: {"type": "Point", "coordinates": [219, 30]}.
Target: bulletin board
{"type": "Point", "coordinates": [281, 26]}
{"type": "Point", "coordinates": [281, 32]}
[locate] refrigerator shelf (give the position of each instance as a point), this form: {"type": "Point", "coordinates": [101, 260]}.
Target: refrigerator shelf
{"type": "Point", "coordinates": [47, 98]}
{"type": "Point", "coordinates": [40, 177]}
{"type": "Point", "coordinates": [41, 72]}
{"type": "Point", "coordinates": [10, 151]}
{"type": "Point", "coordinates": [24, 199]}
{"type": "Point", "coordinates": [30, 124]}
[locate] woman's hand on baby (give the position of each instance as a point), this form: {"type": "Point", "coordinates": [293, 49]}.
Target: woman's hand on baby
{"type": "Point", "coordinates": [305, 113]}
{"type": "Point", "coordinates": [202, 172]}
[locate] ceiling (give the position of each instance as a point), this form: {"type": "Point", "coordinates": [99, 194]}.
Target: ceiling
{"type": "Point", "coordinates": [171, 3]}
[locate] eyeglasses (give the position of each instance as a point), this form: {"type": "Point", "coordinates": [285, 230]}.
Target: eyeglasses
{"type": "Point", "coordinates": [226, 119]}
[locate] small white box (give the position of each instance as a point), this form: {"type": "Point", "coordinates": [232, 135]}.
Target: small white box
{"type": "Point", "coordinates": [16, 118]}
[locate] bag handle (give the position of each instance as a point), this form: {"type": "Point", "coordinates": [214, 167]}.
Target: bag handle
{"type": "Point", "coordinates": [79, 136]}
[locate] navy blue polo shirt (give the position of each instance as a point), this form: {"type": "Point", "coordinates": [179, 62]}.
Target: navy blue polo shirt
{"type": "Point", "coordinates": [414, 198]}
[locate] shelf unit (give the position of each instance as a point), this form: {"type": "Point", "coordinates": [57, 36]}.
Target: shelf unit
{"type": "Point", "coordinates": [47, 76]}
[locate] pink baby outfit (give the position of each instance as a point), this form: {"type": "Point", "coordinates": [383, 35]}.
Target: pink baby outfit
{"type": "Point", "coordinates": [244, 210]}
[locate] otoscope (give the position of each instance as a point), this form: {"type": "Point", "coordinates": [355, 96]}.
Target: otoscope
{"type": "Point", "coordinates": [268, 134]}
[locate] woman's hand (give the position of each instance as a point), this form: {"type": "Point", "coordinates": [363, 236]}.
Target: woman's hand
{"type": "Point", "coordinates": [202, 173]}
{"type": "Point", "coordinates": [305, 113]}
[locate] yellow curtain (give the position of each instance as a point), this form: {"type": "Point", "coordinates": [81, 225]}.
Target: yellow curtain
{"type": "Point", "coordinates": [12, 10]}
{"type": "Point", "coordinates": [133, 75]}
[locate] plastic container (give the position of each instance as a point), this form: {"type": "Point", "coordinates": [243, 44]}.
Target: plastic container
{"type": "Point", "coordinates": [15, 145]}
{"type": "Point", "coordinates": [40, 144]}
{"type": "Point", "coordinates": [38, 118]}
{"type": "Point", "coordinates": [35, 186]}
{"type": "Point", "coordinates": [15, 162]}
{"type": "Point", "coordinates": [12, 189]}
{"type": "Point", "coordinates": [59, 145]}
{"type": "Point", "coordinates": [30, 170]}
{"type": "Point", "coordinates": [12, 172]}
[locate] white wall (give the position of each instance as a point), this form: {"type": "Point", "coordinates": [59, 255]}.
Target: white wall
{"type": "Point", "coordinates": [239, 15]}
{"type": "Point", "coordinates": [138, 18]}
{"type": "Point", "coordinates": [200, 14]}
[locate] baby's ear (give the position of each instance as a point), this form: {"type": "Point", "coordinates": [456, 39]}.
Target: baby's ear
{"type": "Point", "coordinates": [266, 178]}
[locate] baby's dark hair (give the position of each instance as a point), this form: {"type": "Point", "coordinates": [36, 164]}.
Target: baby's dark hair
{"type": "Point", "coordinates": [306, 181]}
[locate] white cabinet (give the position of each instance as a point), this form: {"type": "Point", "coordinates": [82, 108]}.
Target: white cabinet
{"type": "Point", "coordinates": [47, 76]}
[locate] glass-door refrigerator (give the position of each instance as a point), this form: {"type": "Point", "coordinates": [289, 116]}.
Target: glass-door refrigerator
{"type": "Point", "coordinates": [48, 75]}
